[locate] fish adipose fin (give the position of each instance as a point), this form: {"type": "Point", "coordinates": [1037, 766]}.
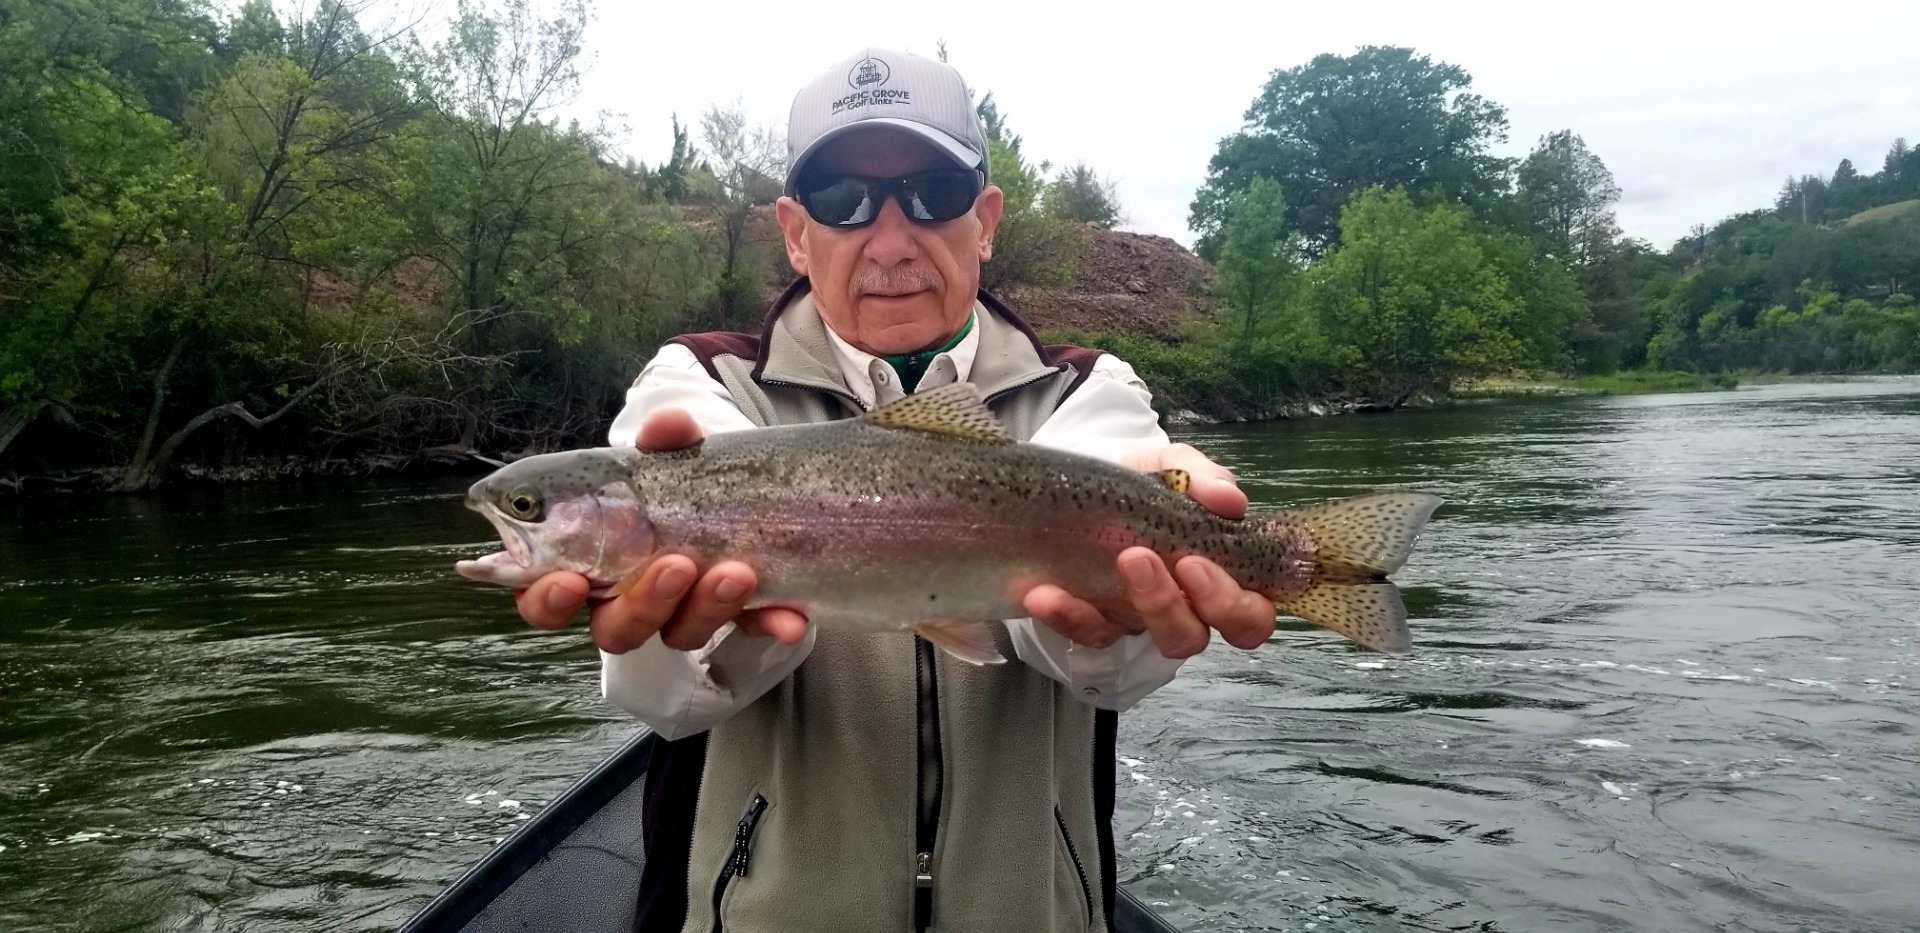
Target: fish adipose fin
{"type": "Point", "coordinates": [971, 642]}
{"type": "Point", "coordinates": [1176, 480]}
{"type": "Point", "coordinates": [1360, 541]}
{"type": "Point", "coordinates": [955, 410]}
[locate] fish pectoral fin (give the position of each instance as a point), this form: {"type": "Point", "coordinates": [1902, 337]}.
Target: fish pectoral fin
{"type": "Point", "coordinates": [971, 642]}
{"type": "Point", "coordinates": [955, 410]}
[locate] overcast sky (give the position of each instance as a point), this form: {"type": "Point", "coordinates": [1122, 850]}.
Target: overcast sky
{"type": "Point", "coordinates": [1700, 109]}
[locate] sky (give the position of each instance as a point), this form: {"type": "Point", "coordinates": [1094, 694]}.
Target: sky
{"type": "Point", "coordinates": [1701, 110]}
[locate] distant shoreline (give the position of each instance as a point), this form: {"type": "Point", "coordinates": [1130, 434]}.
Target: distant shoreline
{"type": "Point", "coordinates": [97, 480]}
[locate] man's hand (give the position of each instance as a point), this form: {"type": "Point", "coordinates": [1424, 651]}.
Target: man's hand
{"type": "Point", "coordinates": [670, 596]}
{"type": "Point", "coordinates": [1181, 608]}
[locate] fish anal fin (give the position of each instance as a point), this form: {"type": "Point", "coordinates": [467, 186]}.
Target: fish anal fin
{"type": "Point", "coordinates": [1370, 534]}
{"type": "Point", "coordinates": [1369, 613]}
{"type": "Point", "coordinates": [954, 410]}
{"type": "Point", "coordinates": [1176, 480]}
{"type": "Point", "coordinates": [971, 642]}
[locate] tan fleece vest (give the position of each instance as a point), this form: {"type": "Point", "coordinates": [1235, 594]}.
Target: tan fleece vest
{"type": "Point", "coordinates": [832, 751]}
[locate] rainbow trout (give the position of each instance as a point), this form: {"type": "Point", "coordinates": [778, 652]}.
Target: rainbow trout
{"type": "Point", "coordinates": [925, 516]}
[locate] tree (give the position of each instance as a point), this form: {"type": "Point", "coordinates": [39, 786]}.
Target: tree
{"type": "Point", "coordinates": [1569, 196]}
{"type": "Point", "coordinates": [1079, 195]}
{"type": "Point", "coordinates": [1031, 246]}
{"type": "Point", "coordinates": [746, 169]}
{"type": "Point", "coordinates": [1333, 127]}
{"type": "Point", "coordinates": [283, 140]}
{"type": "Point", "coordinates": [1409, 301]}
{"type": "Point", "coordinates": [1257, 256]}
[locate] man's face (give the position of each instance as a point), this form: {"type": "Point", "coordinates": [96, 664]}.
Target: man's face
{"type": "Point", "coordinates": [892, 286]}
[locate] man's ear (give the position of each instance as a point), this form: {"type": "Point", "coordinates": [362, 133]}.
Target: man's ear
{"type": "Point", "coordinates": [793, 228]}
{"type": "Point", "coordinates": [987, 209]}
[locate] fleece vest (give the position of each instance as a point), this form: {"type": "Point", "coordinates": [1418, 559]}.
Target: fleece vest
{"type": "Point", "coordinates": [810, 808]}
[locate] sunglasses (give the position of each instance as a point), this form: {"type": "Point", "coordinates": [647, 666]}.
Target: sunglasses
{"type": "Point", "coordinates": [930, 197]}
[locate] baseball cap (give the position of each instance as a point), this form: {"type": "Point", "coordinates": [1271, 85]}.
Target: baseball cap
{"type": "Point", "coordinates": [882, 87]}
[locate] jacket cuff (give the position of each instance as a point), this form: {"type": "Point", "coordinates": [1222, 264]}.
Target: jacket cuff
{"type": "Point", "coordinates": [1115, 677]}
{"type": "Point", "coordinates": [682, 693]}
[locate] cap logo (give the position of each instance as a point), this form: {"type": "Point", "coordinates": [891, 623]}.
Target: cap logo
{"type": "Point", "coordinates": [868, 72]}
{"type": "Point", "coordinates": [868, 79]}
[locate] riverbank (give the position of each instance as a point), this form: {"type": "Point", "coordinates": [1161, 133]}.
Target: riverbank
{"type": "Point", "coordinates": [1176, 412]}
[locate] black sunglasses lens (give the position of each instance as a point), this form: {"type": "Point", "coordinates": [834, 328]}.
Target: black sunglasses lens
{"type": "Point", "coordinates": [927, 197]}
{"type": "Point", "coordinates": [840, 202]}
{"type": "Point", "coordinates": [936, 197]}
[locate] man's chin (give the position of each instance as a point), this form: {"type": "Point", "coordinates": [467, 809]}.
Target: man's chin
{"type": "Point", "coordinates": [901, 325]}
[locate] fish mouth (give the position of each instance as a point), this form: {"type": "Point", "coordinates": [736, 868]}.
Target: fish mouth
{"type": "Point", "coordinates": [513, 566]}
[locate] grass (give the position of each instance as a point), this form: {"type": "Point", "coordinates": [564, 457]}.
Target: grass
{"type": "Point", "coordinates": [1884, 212]}
{"type": "Point", "coordinates": [1630, 382]}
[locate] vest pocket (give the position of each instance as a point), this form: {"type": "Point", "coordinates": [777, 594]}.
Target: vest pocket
{"type": "Point", "coordinates": [736, 863]}
{"type": "Point", "coordinates": [1072, 856]}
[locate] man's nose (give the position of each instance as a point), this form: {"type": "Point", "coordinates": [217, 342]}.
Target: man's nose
{"type": "Point", "coordinates": [890, 239]}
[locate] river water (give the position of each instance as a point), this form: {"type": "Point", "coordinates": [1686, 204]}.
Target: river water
{"type": "Point", "coordinates": [1665, 680]}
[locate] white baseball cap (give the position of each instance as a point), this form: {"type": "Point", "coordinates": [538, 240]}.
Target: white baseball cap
{"type": "Point", "coordinates": [883, 87]}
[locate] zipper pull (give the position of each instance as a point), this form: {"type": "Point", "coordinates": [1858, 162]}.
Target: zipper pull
{"type": "Point", "coordinates": [742, 836]}
{"type": "Point", "coordinates": [737, 862]}
{"type": "Point", "coordinates": [923, 890]}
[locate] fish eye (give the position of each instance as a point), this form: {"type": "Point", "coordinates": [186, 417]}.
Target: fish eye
{"type": "Point", "coordinates": [525, 504]}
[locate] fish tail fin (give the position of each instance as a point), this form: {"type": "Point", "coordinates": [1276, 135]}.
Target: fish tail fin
{"type": "Point", "coordinates": [1360, 541]}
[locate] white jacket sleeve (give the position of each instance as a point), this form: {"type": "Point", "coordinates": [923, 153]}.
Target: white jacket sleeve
{"type": "Point", "coordinates": [682, 693]}
{"type": "Point", "coordinates": [1110, 416]}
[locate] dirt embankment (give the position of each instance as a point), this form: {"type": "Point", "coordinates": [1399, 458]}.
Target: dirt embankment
{"type": "Point", "coordinates": [1126, 282]}
{"type": "Point", "coordinates": [1132, 283]}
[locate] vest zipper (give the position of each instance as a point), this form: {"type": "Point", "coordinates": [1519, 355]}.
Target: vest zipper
{"type": "Point", "coordinates": [736, 864]}
{"type": "Point", "coordinates": [1055, 370]}
{"type": "Point", "coordinates": [817, 387]}
{"type": "Point", "coordinates": [1086, 891]}
{"type": "Point", "coordinates": [927, 816]}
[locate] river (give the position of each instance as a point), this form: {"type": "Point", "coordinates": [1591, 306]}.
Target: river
{"type": "Point", "coordinates": [1665, 679]}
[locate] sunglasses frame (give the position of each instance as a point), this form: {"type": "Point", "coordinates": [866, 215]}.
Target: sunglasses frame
{"type": "Point", "coordinates": [880, 190]}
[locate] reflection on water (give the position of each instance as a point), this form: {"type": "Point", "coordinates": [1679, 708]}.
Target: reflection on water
{"type": "Point", "coordinates": [1664, 681]}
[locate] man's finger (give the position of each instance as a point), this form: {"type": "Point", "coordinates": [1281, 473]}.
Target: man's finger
{"type": "Point", "coordinates": [1208, 483]}
{"type": "Point", "coordinates": [1161, 604]}
{"type": "Point", "coordinates": [1242, 617]}
{"type": "Point", "coordinates": [783, 625]}
{"type": "Point", "coordinates": [1075, 619]}
{"type": "Point", "coordinates": [553, 600]}
{"type": "Point", "coordinates": [716, 600]}
{"type": "Point", "coordinates": [668, 429]}
{"type": "Point", "coordinates": [626, 621]}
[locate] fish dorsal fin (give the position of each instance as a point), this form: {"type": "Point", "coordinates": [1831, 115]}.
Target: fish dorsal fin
{"type": "Point", "coordinates": [954, 410]}
{"type": "Point", "coordinates": [1177, 480]}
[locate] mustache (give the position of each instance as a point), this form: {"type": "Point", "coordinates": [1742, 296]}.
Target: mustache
{"type": "Point", "coordinates": [895, 280]}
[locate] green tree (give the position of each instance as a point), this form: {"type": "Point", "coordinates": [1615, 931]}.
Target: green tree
{"type": "Point", "coordinates": [1409, 302]}
{"type": "Point", "coordinates": [1329, 129]}
{"type": "Point", "coordinates": [1079, 195]}
{"type": "Point", "coordinates": [1258, 257]}
{"type": "Point", "coordinates": [746, 170]}
{"type": "Point", "coordinates": [1569, 196]}
{"type": "Point", "coordinates": [1031, 247]}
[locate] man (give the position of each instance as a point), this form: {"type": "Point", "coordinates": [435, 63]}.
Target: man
{"type": "Point", "coordinates": [851, 781]}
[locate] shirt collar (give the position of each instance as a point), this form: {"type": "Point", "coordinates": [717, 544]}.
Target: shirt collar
{"type": "Point", "coordinates": [875, 383]}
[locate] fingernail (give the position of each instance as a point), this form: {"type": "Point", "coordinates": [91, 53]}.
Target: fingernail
{"type": "Point", "coordinates": [1197, 581]}
{"type": "Point", "coordinates": [671, 583]}
{"type": "Point", "coordinates": [1139, 573]}
{"type": "Point", "coordinates": [729, 590]}
{"type": "Point", "coordinates": [561, 600]}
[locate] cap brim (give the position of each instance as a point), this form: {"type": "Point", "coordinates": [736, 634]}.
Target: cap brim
{"type": "Point", "coordinates": [953, 148]}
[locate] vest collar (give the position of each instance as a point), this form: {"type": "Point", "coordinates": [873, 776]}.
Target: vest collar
{"type": "Point", "coordinates": [796, 351]}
